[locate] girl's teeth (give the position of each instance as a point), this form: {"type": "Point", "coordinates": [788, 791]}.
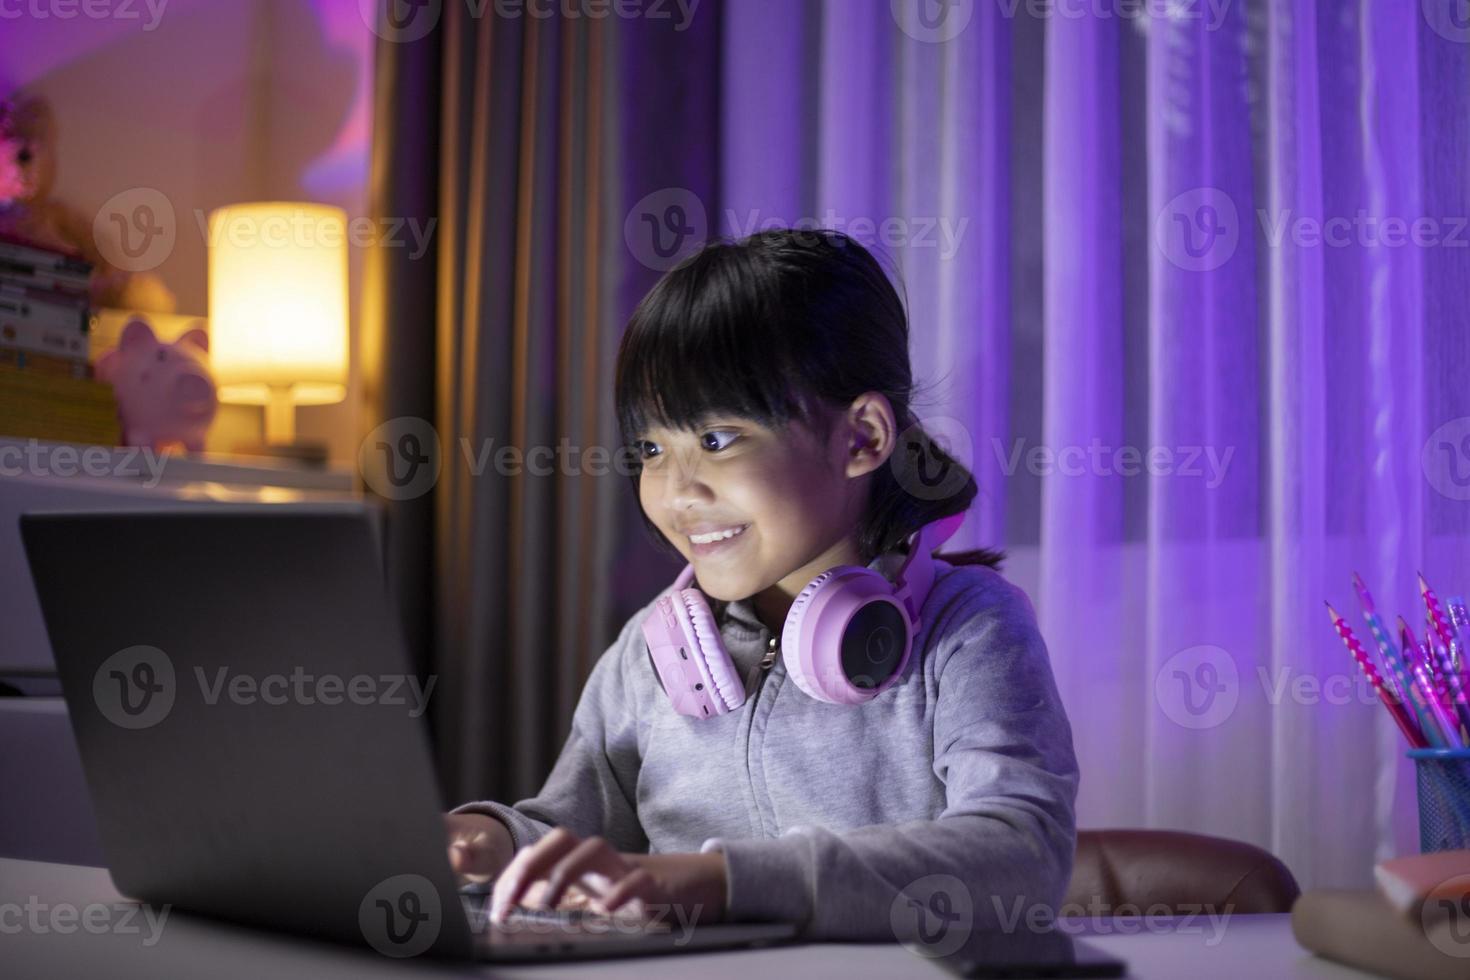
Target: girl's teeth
{"type": "Point", "coordinates": [716, 535]}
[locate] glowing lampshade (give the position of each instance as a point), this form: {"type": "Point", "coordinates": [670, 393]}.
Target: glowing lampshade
{"type": "Point", "coordinates": [278, 308]}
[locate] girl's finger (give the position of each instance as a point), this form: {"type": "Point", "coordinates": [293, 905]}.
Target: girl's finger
{"type": "Point", "coordinates": [636, 885]}
{"type": "Point", "coordinates": [528, 865]}
{"type": "Point", "coordinates": [593, 857]}
{"type": "Point", "coordinates": [469, 855]}
{"type": "Point", "coordinates": [575, 898]}
{"type": "Point", "coordinates": [465, 860]}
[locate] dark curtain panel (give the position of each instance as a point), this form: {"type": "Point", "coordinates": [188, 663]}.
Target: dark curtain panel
{"type": "Point", "coordinates": [515, 554]}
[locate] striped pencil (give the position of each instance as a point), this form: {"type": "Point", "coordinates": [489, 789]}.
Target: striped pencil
{"type": "Point", "coordinates": [1460, 621]}
{"type": "Point", "coordinates": [1395, 707]}
{"type": "Point", "coordinates": [1394, 674]}
{"type": "Point", "coordinates": [1404, 659]}
{"type": "Point", "coordinates": [1446, 726]}
{"type": "Point", "coordinates": [1451, 689]}
{"type": "Point", "coordinates": [1436, 613]}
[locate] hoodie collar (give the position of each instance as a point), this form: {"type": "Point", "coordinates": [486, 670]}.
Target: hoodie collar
{"type": "Point", "coordinates": [740, 615]}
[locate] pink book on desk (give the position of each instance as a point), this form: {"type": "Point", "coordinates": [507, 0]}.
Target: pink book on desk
{"type": "Point", "coordinates": [1409, 882]}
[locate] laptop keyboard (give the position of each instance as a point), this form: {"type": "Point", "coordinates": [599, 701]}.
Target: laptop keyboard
{"type": "Point", "coordinates": [521, 913]}
{"type": "Point", "coordinates": [476, 901]}
{"type": "Point", "coordinates": [563, 920]}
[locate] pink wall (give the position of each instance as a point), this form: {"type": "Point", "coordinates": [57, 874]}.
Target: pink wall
{"type": "Point", "coordinates": [209, 102]}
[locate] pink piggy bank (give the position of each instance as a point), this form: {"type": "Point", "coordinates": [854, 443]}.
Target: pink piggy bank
{"type": "Point", "coordinates": [165, 394]}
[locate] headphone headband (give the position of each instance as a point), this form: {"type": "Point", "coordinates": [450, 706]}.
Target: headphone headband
{"type": "Point", "coordinates": [914, 578]}
{"type": "Point", "coordinates": [847, 637]}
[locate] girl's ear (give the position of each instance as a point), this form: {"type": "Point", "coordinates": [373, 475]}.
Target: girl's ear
{"type": "Point", "coordinates": [871, 432]}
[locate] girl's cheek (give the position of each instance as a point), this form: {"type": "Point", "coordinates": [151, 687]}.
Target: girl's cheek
{"type": "Point", "coordinates": [648, 498]}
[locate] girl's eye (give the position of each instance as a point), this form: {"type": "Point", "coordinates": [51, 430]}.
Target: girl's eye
{"type": "Point", "coordinates": [714, 441]}
{"type": "Point", "coordinates": [711, 440]}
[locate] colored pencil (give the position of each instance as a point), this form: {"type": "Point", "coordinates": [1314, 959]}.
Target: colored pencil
{"type": "Point", "coordinates": [1393, 669]}
{"type": "Point", "coordinates": [1436, 614]}
{"type": "Point", "coordinates": [1446, 727]}
{"type": "Point", "coordinates": [1395, 707]}
{"type": "Point", "coordinates": [1452, 691]}
{"type": "Point", "coordinates": [1405, 657]}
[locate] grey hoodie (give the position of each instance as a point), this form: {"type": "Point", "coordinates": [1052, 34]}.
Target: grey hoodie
{"type": "Point", "coordinates": [829, 815]}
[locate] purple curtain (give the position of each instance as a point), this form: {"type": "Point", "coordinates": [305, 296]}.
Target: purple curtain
{"type": "Point", "coordinates": [1163, 314]}
{"type": "Point", "coordinates": [1185, 292]}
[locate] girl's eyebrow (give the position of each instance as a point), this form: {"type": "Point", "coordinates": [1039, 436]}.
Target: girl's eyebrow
{"type": "Point", "coordinates": [702, 421]}
{"type": "Point", "coordinates": [716, 418]}
{"type": "Point", "coordinates": [695, 425]}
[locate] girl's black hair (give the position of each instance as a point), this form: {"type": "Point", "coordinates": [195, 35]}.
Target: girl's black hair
{"type": "Point", "coordinates": [769, 328]}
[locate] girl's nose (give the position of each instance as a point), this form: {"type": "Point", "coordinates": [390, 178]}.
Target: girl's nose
{"type": "Point", "coordinates": [682, 484]}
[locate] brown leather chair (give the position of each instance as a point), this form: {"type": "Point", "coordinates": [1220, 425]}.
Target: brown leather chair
{"type": "Point", "coordinates": [1149, 868]}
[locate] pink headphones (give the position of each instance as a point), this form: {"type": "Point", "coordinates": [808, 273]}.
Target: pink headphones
{"type": "Point", "coordinates": [848, 635]}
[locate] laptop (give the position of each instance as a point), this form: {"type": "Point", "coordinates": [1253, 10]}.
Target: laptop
{"type": "Point", "coordinates": [254, 738]}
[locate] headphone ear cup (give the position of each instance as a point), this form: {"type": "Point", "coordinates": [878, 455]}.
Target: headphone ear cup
{"type": "Point", "coordinates": [709, 650]}
{"type": "Point", "coordinates": [797, 666]}
{"type": "Point", "coordinates": [688, 658]}
{"type": "Point", "coordinates": [844, 629]}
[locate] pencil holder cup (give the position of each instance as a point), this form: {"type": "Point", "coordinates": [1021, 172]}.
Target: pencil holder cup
{"type": "Point", "coordinates": [1443, 777]}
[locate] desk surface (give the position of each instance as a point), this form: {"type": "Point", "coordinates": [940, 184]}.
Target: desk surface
{"type": "Point", "coordinates": [1243, 946]}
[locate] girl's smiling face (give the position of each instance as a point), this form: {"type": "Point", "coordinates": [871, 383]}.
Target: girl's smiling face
{"type": "Point", "coordinates": [792, 498]}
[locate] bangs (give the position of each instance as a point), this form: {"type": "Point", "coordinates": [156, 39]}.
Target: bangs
{"type": "Point", "coordinates": [710, 339]}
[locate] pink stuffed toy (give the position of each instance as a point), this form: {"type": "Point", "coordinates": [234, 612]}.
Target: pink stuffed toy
{"type": "Point", "coordinates": [29, 209]}
{"type": "Point", "coordinates": [165, 393]}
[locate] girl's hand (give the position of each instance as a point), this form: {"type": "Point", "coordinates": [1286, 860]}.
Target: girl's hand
{"type": "Point", "coordinates": [612, 881]}
{"type": "Point", "coordinates": [479, 846]}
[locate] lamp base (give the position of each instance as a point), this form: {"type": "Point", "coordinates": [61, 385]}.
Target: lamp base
{"type": "Point", "coordinates": [306, 454]}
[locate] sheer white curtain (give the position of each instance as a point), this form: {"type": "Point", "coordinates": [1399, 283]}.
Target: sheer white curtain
{"type": "Point", "coordinates": [1197, 319]}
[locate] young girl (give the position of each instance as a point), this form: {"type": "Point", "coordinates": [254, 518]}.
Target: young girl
{"type": "Point", "coordinates": [766, 384]}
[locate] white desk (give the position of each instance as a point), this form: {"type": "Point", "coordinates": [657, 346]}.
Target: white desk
{"type": "Point", "coordinates": [1258, 947]}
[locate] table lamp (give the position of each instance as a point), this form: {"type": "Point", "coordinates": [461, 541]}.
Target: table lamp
{"type": "Point", "coordinates": [278, 313]}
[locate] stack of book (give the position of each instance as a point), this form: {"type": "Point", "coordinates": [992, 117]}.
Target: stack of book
{"type": "Point", "coordinates": [47, 390]}
{"type": "Point", "coordinates": [1416, 924]}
